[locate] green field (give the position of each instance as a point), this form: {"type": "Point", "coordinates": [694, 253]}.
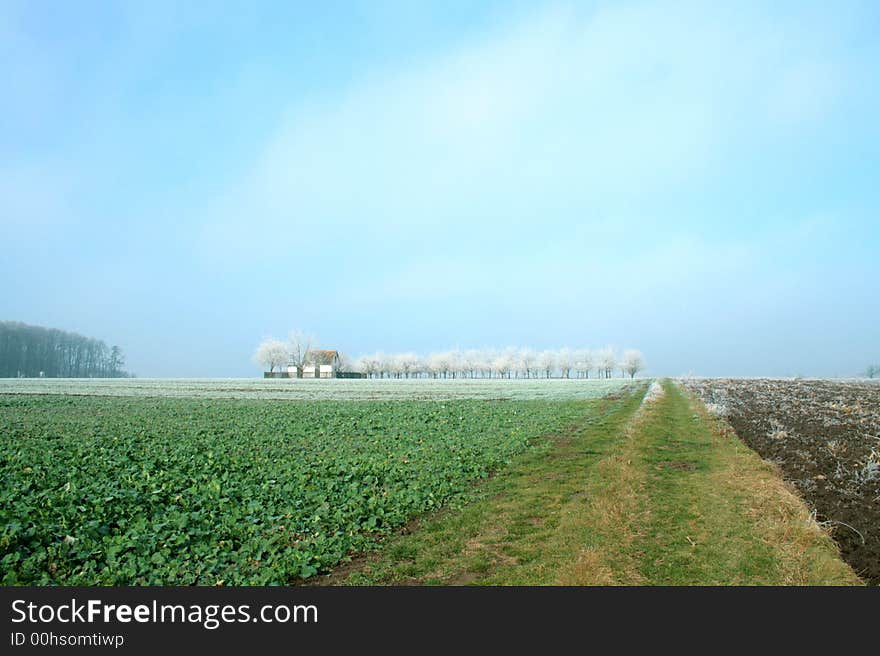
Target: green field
{"type": "Point", "coordinates": [500, 482]}
{"type": "Point", "coordinates": [101, 490]}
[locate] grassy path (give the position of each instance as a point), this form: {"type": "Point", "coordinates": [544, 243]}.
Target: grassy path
{"type": "Point", "coordinates": [654, 493]}
{"type": "Point", "coordinates": [718, 514]}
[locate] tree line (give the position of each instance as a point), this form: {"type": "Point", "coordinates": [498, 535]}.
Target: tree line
{"type": "Point", "coordinates": [35, 351]}
{"type": "Point", "coordinates": [473, 363]}
{"type": "Point", "coordinates": [504, 363]}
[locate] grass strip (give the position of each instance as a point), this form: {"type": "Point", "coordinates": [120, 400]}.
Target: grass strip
{"type": "Point", "coordinates": [717, 514]}
{"type": "Point", "coordinates": [518, 531]}
{"type": "Point", "coordinates": [659, 493]}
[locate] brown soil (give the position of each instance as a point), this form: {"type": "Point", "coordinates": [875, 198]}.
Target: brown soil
{"type": "Point", "coordinates": [679, 465]}
{"type": "Point", "coordinates": [825, 437]}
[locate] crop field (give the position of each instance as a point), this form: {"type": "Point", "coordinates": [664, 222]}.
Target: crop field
{"type": "Point", "coordinates": [224, 482]}
{"type": "Point", "coordinates": [142, 489]}
{"type": "Point", "coordinates": [825, 437]}
{"type": "Point", "coordinates": [293, 389]}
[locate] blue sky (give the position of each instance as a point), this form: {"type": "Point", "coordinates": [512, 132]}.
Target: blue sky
{"type": "Point", "coordinates": [694, 180]}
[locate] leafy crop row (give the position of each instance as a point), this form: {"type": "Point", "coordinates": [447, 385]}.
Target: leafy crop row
{"type": "Point", "coordinates": [137, 491]}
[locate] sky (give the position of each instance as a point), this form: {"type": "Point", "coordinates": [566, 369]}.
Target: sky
{"type": "Point", "coordinates": [700, 181]}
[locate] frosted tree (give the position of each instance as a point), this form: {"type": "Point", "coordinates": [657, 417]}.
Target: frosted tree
{"type": "Point", "coordinates": [503, 364]}
{"type": "Point", "coordinates": [547, 362]}
{"type": "Point", "coordinates": [383, 365]}
{"type": "Point", "coordinates": [369, 365]}
{"type": "Point", "coordinates": [271, 353]}
{"type": "Point", "coordinates": [433, 364]}
{"type": "Point", "coordinates": [490, 363]}
{"type": "Point", "coordinates": [470, 360]}
{"type": "Point", "coordinates": [565, 361]}
{"type": "Point", "coordinates": [456, 363]}
{"type": "Point", "coordinates": [408, 363]}
{"type": "Point", "coordinates": [395, 364]}
{"type": "Point", "coordinates": [487, 362]}
{"type": "Point", "coordinates": [345, 362]}
{"type": "Point", "coordinates": [526, 361]}
{"type": "Point", "coordinates": [606, 361]}
{"type": "Point", "coordinates": [403, 365]}
{"type": "Point", "coordinates": [583, 362]}
{"type": "Point", "coordinates": [298, 345]}
{"type": "Point", "coordinates": [439, 364]}
{"type": "Point", "coordinates": [633, 362]}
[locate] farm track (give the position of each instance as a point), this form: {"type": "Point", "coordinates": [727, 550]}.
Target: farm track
{"type": "Point", "coordinates": [718, 514]}
{"type": "Point", "coordinates": [659, 493]}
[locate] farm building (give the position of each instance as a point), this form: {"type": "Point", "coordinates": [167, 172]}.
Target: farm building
{"type": "Point", "coordinates": [317, 364]}
{"type": "Point", "coordinates": [320, 364]}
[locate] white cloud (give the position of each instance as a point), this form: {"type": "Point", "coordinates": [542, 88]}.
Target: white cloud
{"type": "Point", "coordinates": [547, 107]}
{"type": "Point", "coordinates": [552, 117]}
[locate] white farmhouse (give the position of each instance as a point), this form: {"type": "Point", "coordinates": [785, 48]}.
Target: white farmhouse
{"type": "Point", "coordinates": [320, 364]}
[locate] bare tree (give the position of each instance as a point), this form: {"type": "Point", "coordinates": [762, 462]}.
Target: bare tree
{"type": "Point", "coordinates": [368, 364]}
{"type": "Point", "coordinates": [298, 346]}
{"type": "Point", "coordinates": [117, 361]}
{"type": "Point", "coordinates": [27, 350]}
{"type": "Point", "coordinates": [633, 362]}
{"type": "Point", "coordinates": [439, 364]}
{"type": "Point", "coordinates": [406, 363]}
{"type": "Point", "coordinates": [606, 361]}
{"type": "Point", "coordinates": [345, 363]}
{"type": "Point", "coordinates": [271, 353]}
{"type": "Point", "coordinates": [383, 365]}
{"type": "Point", "coordinates": [503, 364]}
{"type": "Point", "coordinates": [526, 361]}
{"type": "Point", "coordinates": [565, 361]}
{"type": "Point", "coordinates": [583, 362]}
{"type": "Point", "coordinates": [456, 363]}
{"type": "Point", "coordinates": [489, 363]}
{"type": "Point", "coordinates": [470, 361]}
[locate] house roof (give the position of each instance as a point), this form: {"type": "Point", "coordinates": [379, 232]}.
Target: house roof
{"type": "Point", "coordinates": [322, 356]}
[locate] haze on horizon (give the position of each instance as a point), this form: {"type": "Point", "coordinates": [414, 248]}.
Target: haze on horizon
{"type": "Point", "coordinates": [695, 181]}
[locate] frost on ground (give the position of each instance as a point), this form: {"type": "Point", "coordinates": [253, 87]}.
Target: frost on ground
{"type": "Point", "coordinates": [825, 436]}
{"type": "Point", "coordinates": [717, 409]}
{"type": "Point", "coordinates": [655, 393]}
{"type": "Point", "coordinates": [333, 389]}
